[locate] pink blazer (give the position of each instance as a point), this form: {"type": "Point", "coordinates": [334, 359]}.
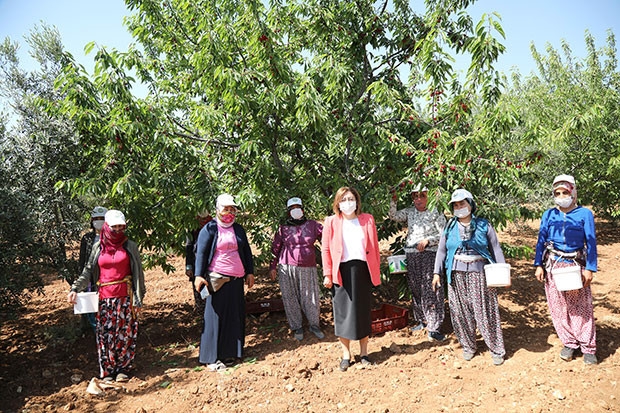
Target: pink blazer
{"type": "Point", "coordinates": [331, 247]}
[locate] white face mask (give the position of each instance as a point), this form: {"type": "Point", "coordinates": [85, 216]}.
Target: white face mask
{"type": "Point", "coordinates": [297, 213]}
{"type": "Point", "coordinates": [563, 202]}
{"type": "Point", "coordinates": [462, 212]}
{"type": "Point", "coordinates": [347, 207]}
{"type": "Point", "coordinates": [98, 225]}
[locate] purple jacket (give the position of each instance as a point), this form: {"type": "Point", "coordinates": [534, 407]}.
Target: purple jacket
{"type": "Point", "coordinates": [294, 244]}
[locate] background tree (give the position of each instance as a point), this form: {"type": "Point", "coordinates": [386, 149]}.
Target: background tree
{"type": "Point", "coordinates": [270, 100]}
{"type": "Point", "coordinates": [38, 222]}
{"type": "Point", "coordinates": [569, 119]}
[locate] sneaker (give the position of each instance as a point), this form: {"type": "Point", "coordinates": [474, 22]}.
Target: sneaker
{"type": "Point", "coordinates": [418, 327]}
{"type": "Point", "coordinates": [317, 332]}
{"type": "Point", "coordinates": [217, 366]}
{"type": "Point", "coordinates": [497, 360]}
{"type": "Point", "coordinates": [468, 355]}
{"type": "Point", "coordinates": [436, 335]}
{"type": "Point", "coordinates": [344, 364]}
{"type": "Point", "coordinates": [299, 334]}
{"type": "Point", "coordinates": [365, 361]}
{"type": "Point", "coordinates": [122, 377]}
{"type": "Point", "coordinates": [590, 359]}
{"type": "Point", "coordinates": [108, 378]}
{"type": "Point", "coordinates": [567, 353]}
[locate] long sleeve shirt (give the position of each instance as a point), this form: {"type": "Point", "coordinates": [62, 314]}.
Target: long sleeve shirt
{"type": "Point", "coordinates": [421, 225]}
{"type": "Point", "coordinates": [294, 244]}
{"type": "Point", "coordinates": [569, 232]}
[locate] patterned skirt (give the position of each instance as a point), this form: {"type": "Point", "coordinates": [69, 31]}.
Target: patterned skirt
{"type": "Point", "coordinates": [116, 334]}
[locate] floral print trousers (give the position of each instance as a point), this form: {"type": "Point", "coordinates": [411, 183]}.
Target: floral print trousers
{"type": "Point", "coordinates": [116, 334]}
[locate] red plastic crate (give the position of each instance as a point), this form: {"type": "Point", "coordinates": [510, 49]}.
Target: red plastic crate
{"type": "Point", "coordinates": [388, 317]}
{"type": "Point", "coordinates": [253, 307]}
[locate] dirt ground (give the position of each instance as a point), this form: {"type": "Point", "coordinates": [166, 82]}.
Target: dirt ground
{"type": "Point", "coordinates": [46, 365]}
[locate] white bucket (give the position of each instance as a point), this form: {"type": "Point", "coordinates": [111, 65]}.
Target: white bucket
{"type": "Point", "coordinates": [86, 303]}
{"type": "Point", "coordinates": [397, 264]}
{"type": "Point", "coordinates": [497, 275]}
{"type": "Point", "coordinates": [567, 278]}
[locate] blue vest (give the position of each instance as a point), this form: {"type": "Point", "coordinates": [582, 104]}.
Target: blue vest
{"type": "Point", "coordinates": [478, 242]}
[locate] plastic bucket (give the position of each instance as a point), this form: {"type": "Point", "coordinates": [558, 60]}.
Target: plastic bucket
{"type": "Point", "coordinates": [497, 275]}
{"type": "Point", "coordinates": [567, 278]}
{"type": "Point", "coordinates": [397, 264]}
{"type": "Point", "coordinates": [86, 303]}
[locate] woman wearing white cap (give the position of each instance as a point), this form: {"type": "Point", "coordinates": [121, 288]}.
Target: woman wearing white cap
{"type": "Point", "coordinates": [424, 229]}
{"type": "Point", "coordinates": [294, 263]}
{"type": "Point", "coordinates": [86, 246]}
{"type": "Point", "coordinates": [115, 267]}
{"type": "Point", "coordinates": [223, 262]}
{"type": "Point", "coordinates": [466, 245]}
{"type": "Point", "coordinates": [567, 238]}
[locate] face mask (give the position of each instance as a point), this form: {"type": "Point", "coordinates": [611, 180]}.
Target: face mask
{"type": "Point", "coordinates": [98, 225]}
{"type": "Point", "coordinates": [226, 220]}
{"type": "Point", "coordinates": [297, 213]}
{"type": "Point", "coordinates": [462, 212]}
{"type": "Point", "coordinates": [347, 207]}
{"type": "Point", "coordinates": [563, 202]}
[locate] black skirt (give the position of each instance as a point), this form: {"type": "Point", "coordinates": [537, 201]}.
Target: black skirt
{"type": "Point", "coordinates": [352, 301]}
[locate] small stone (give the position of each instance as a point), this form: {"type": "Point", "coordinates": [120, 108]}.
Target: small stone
{"type": "Point", "coordinates": [289, 387]}
{"type": "Point", "coordinates": [558, 395]}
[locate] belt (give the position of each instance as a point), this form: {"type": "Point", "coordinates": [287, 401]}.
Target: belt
{"type": "Point", "coordinates": [469, 258]}
{"type": "Point", "coordinates": [127, 280]}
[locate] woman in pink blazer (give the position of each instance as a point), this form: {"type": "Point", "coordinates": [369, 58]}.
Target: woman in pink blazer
{"type": "Point", "coordinates": [350, 252]}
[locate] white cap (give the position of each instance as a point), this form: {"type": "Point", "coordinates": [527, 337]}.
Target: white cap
{"type": "Point", "coordinates": [293, 201]}
{"type": "Point", "coordinates": [419, 188]}
{"type": "Point", "coordinates": [461, 194]}
{"type": "Point", "coordinates": [98, 212]}
{"type": "Point", "coordinates": [114, 217]}
{"type": "Point", "coordinates": [224, 200]}
{"type": "Point", "coordinates": [564, 178]}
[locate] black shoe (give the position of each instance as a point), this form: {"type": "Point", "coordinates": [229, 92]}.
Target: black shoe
{"type": "Point", "coordinates": [344, 364]}
{"type": "Point", "coordinates": [231, 361]}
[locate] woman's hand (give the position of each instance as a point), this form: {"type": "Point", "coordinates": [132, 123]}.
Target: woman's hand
{"type": "Point", "coordinates": [436, 282]}
{"type": "Point", "coordinates": [540, 274]}
{"type": "Point", "coordinates": [72, 297]}
{"type": "Point", "coordinates": [272, 274]}
{"type": "Point", "coordinates": [249, 280]}
{"type": "Point", "coordinates": [422, 245]}
{"type": "Point", "coordinates": [199, 282]}
{"type": "Point", "coordinates": [327, 282]}
{"type": "Point", "coordinates": [587, 277]}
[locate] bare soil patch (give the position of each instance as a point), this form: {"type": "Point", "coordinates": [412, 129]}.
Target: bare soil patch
{"type": "Point", "coordinates": [46, 365]}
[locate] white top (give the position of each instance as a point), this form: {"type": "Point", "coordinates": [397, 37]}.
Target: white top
{"type": "Point", "coordinates": [353, 241]}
